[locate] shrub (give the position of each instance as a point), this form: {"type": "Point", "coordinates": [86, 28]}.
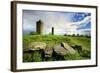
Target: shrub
{"type": "Point", "coordinates": [32, 33]}
{"type": "Point", "coordinates": [73, 35]}
{"type": "Point", "coordinates": [78, 35]}
{"type": "Point", "coordinates": [65, 35]}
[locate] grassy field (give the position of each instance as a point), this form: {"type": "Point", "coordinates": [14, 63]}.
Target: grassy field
{"type": "Point", "coordinates": [52, 40]}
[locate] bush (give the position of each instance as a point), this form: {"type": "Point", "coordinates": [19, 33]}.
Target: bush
{"type": "Point", "coordinates": [73, 35]}
{"type": "Point", "coordinates": [33, 33]}
{"type": "Point", "coordinates": [78, 35]}
{"type": "Point", "coordinates": [65, 35]}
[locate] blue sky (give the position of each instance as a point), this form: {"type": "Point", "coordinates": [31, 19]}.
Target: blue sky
{"type": "Point", "coordinates": [63, 22]}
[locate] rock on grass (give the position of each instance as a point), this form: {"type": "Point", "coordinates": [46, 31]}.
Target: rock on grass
{"type": "Point", "coordinates": [37, 45]}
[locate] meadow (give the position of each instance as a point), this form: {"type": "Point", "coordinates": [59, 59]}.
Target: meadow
{"type": "Point", "coordinates": [52, 40]}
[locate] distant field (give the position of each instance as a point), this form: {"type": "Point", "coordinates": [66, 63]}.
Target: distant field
{"type": "Point", "coordinates": [52, 40]}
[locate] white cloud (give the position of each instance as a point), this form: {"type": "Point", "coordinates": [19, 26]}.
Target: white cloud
{"type": "Point", "coordinates": [82, 22]}
{"type": "Point", "coordinates": [72, 28]}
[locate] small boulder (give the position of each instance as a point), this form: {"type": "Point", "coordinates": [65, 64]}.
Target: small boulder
{"type": "Point", "coordinates": [48, 52]}
{"type": "Point", "coordinates": [37, 46]}
{"type": "Point", "coordinates": [68, 48]}
{"type": "Point", "coordinates": [60, 50]}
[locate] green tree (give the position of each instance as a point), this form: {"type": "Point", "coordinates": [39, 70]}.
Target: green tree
{"type": "Point", "coordinates": [32, 33]}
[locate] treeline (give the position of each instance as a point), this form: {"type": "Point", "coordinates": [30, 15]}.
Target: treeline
{"type": "Point", "coordinates": [78, 35]}
{"type": "Point", "coordinates": [73, 35]}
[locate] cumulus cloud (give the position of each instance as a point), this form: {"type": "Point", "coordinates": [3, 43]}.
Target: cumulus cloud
{"type": "Point", "coordinates": [82, 22]}
{"type": "Point", "coordinates": [74, 26]}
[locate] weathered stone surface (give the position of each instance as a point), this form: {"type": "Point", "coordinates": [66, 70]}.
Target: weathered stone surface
{"type": "Point", "coordinates": [60, 50]}
{"type": "Point", "coordinates": [68, 48]}
{"type": "Point", "coordinates": [48, 52]}
{"type": "Point", "coordinates": [37, 45]}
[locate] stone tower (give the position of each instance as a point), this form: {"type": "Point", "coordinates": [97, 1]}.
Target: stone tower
{"type": "Point", "coordinates": [52, 30]}
{"type": "Point", "coordinates": [39, 27]}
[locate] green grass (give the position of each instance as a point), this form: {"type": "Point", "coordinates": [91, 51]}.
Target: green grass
{"type": "Point", "coordinates": [83, 41]}
{"type": "Point", "coordinates": [52, 40]}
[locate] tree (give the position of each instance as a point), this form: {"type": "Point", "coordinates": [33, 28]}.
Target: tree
{"type": "Point", "coordinates": [73, 35]}
{"type": "Point", "coordinates": [32, 33]}
{"type": "Point", "coordinates": [78, 35]}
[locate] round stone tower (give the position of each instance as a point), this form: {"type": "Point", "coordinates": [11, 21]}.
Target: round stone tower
{"type": "Point", "coordinates": [39, 27]}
